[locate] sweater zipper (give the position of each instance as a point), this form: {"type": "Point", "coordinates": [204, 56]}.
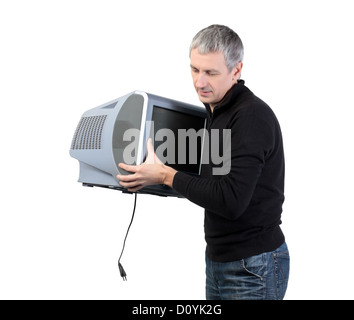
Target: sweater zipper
{"type": "Point", "coordinates": [210, 122]}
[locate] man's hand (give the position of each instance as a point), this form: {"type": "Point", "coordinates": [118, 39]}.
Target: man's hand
{"type": "Point", "coordinates": [151, 172]}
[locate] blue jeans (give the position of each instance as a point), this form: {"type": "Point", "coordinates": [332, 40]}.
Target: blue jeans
{"type": "Point", "coordinates": [261, 277]}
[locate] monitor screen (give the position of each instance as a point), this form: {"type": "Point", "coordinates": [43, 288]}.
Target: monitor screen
{"type": "Point", "coordinates": [178, 139]}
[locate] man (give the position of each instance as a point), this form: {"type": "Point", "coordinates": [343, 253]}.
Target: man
{"type": "Point", "coordinates": [246, 254]}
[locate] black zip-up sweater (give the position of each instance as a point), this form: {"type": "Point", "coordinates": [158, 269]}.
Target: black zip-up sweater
{"type": "Point", "coordinates": [243, 207]}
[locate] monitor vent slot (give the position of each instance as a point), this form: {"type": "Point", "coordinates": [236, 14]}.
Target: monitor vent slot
{"type": "Point", "coordinates": [88, 134]}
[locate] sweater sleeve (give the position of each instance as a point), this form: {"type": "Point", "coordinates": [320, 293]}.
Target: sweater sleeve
{"type": "Point", "coordinates": [230, 195]}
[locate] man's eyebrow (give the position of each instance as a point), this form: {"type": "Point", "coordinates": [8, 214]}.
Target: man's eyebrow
{"type": "Point", "coordinates": [209, 71]}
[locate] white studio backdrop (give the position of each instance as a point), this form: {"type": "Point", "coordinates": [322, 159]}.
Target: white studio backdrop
{"type": "Point", "coordinates": [59, 240]}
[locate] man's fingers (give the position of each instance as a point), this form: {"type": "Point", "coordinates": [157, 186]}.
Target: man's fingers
{"type": "Point", "coordinates": [150, 147]}
{"type": "Point", "coordinates": [127, 167]}
{"type": "Point", "coordinates": [126, 178]}
{"type": "Point", "coordinates": [150, 159]}
{"type": "Point", "coordinates": [129, 182]}
{"type": "Point", "coordinates": [135, 189]}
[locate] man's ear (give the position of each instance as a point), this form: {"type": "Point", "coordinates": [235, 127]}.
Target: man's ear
{"type": "Point", "coordinates": [237, 71]}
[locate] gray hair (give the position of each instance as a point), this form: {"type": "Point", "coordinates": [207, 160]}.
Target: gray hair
{"type": "Point", "coordinates": [218, 38]}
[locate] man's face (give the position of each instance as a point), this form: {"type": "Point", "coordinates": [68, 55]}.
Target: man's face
{"type": "Point", "coordinates": [211, 78]}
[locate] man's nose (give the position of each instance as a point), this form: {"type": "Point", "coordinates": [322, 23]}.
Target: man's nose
{"type": "Point", "coordinates": [201, 81]}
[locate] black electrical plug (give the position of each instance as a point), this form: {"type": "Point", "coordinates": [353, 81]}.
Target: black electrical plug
{"type": "Point", "coordinates": [122, 272]}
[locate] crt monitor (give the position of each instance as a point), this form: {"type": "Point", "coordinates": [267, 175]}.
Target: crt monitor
{"type": "Point", "coordinates": [117, 131]}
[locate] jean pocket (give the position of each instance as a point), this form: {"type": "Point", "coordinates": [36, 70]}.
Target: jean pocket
{"type": "Point", "coordinates": [254, 266]}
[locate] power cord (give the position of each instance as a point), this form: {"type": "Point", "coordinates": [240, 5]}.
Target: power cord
{"type": "Point", "coordinates": [121, 269]}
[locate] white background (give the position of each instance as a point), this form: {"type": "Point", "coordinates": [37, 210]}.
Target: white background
{"type": "Point", "coordinates": [59, 240]}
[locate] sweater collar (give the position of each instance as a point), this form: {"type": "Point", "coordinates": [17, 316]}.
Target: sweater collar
{"type": "Point", "coordinates": [229, 97]}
